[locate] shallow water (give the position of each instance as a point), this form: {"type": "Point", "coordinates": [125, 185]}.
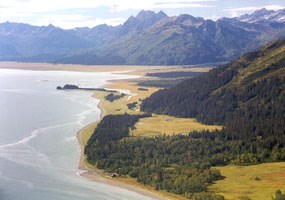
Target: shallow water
{"type": "Point", "coordinates": [39, 153]}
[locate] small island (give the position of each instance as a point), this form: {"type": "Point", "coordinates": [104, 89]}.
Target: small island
{"type": "Point", "coordinates": [68, 87]}
{"type": "Point", "coordinates": [75, 87]}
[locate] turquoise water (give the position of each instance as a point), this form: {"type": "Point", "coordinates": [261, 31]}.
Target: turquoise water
{"type": "Point", "coordinates": [39, 153]}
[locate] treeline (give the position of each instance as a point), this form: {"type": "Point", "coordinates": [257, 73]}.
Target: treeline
{"type": "Point", "coordinates": [251, 105]}
{"type": "Point", "coordinates": [111, 128]}
{"type": "Point", "coordinates": [177, 164]}
{"type": "Point", "coordinates": [180, 164]}
{"type": "Point", "coordinates": [241, 149]}
{"type": "Point", "coordinates": [190, 98]}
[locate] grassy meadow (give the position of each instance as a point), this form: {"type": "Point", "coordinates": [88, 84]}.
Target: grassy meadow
{"type": "Point", "coordinates": [167, 125]}
{"type": "Point", "coordinates": [87, 132]}
{"type": "Point", "coordinates": [151, 126]}
{"type": "Point", "coordinates": [255, 182]}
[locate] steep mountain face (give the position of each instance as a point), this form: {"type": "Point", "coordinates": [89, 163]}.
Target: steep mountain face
{"type": "Point", "coordinates": [104, 34]}
{"type": "Point", "coordinates": [147, 39]}
{"type": "Point", "coordinates": [247, 95]}
{"type": "Point", "coordinates": [142, 21]}
{"type": "Point", "coordinates": [181, 40]}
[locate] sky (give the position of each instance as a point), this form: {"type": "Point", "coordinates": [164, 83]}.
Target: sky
{"type": "Point", "coordinates": [69, 14]}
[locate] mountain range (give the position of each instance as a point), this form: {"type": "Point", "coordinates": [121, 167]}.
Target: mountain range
{"type": "Point", "coordinates": [147, 39]}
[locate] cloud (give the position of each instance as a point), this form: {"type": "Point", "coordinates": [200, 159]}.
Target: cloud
{"type": "Point", "coordinates": [71, 21]}
{"type": "Point", "coordinates": [114, 5]}
{"type": "Point", "coordinates": [189, 3]}
{"type": "Point", "coordinates": [242, 10]}
{"type": "Point", "coordinates": [61, 12]}
{"type": "Point", "coordinates": [57, 12]}
{"type": "Point", "coordinates": [180, 5]}
{"type": "Point", "coordinates": [122, 5]}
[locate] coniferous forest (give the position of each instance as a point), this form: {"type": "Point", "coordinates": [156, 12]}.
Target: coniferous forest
{"type": "Point", "coordinates": [246, 96]}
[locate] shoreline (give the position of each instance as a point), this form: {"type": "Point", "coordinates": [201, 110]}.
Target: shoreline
{"type": "Point", "coordinates": [98, 175]}
{"type": "Point", "coordinates": [88, 171]}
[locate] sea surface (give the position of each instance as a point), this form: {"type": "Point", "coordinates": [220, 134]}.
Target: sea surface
{"type": "Point", "coordinates": [39, 152]}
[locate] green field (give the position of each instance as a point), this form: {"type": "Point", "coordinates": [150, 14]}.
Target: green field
{"type": "Point", "coordinates": [257, 182]}
{"type": "Point", "coordinates": [167, 125]}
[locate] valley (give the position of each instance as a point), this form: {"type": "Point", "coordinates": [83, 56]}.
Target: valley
{"type": "Point", "coordinates": [147, 100]}
{"type": "Point", "coordinates": [224, 146]}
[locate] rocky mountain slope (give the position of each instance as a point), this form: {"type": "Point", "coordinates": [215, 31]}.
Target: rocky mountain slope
{"type": "Point", "coordinates": [147, 39]}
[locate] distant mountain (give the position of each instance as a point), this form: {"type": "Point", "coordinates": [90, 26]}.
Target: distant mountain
{"type": "Point", "coordinates": [23, 40]}
{"type": "Point", "coordinates": [264, 15]}
{"type": "Point", "coordinates": [104, 34]}
{"type": "Point", "coordinates": [141, 22]}
{"type": "Point", "coordinates": [187, 40]}
{"type": "Point", "coordinates": [148, 38]}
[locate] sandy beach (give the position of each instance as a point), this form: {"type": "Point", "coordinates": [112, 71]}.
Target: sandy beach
{"type": "Point", "coordinates": [99, 175]}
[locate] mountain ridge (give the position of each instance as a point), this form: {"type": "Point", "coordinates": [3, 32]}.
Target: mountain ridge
{"type": "Point", "coordinates": [264, 15]}
{"type": "Point", "coordinates": [149, 38]}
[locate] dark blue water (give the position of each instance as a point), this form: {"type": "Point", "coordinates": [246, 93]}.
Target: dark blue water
{"type": "Point", "coordinates": [39, 153]}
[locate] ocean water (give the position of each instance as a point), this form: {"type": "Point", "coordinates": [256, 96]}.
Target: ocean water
{"type": "Point", "coordinates": [39, 153]}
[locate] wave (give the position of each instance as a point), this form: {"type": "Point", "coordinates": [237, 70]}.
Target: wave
{"type": "Point", "coordinates": [22, 153]}
{"type": "Point", "coordinates": [83, 115]}
{"type": "Point", "coordinates": [34, 134]}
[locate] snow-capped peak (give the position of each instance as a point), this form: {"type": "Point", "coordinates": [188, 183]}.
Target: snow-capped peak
{"type": "Point", "coordinates": [264, 15]}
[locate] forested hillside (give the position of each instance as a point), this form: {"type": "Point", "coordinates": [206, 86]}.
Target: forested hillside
{"type": "Point", "coordinates": [247, 95]}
